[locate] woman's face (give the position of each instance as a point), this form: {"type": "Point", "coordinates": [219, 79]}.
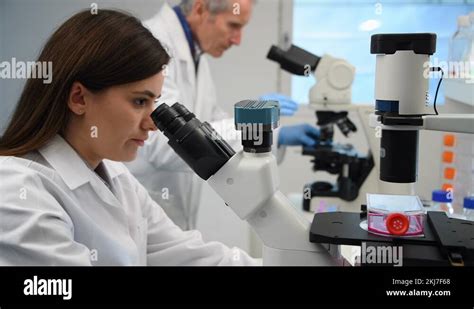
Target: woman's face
{"type": "Point", "coordinates": [115, 122]}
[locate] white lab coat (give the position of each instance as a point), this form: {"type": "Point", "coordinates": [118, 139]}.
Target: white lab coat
{"type": "Point", "coordinates": [55, 210]}
{"type": "Point", "coordinates": [170, 182]}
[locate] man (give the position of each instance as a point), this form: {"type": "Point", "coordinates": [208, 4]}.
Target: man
{"type": "Point", "coordinates": [190, 32]}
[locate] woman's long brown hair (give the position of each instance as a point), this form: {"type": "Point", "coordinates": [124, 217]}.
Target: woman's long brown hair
{"type": "Point", "coordinates": [99, 50]}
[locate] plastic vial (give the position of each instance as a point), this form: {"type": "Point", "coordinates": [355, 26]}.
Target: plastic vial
{"type": "Point", "coordinates": [442, 201]}
{"type": "Point", "coordinates": [469, 208]}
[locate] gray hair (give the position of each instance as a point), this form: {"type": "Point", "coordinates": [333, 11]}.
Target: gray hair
{"type": "Point", "coordinates": [214, 6]}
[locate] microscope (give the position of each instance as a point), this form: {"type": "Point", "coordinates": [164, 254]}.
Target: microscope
{"type": "Point", "coordinates": [401, 110]}
{"type": "Point", "coordinates": [331, 96]}
{"type": "Point", "coordinates": [342, 160]}
{"type": "Point", "coordinates": [248, 181]}
{"type": "Point", "coordinates": [334, 75]}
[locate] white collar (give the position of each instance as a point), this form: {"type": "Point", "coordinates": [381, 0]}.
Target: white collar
{"type": "Point", "coordinates": [71, 167]}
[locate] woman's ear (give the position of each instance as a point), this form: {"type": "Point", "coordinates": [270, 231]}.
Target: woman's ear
{"type": "Point", "coordinates": [76, 101]}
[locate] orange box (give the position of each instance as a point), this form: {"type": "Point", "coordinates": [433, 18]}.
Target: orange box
{"type": "Point", "coordinates": [449, 140]}
{"type": "Point", "coordinates": [447, 187]}
{"type": "Point", "coordinates": [448, 156]}
{"type": "Point", "coordinates": [449, 173]}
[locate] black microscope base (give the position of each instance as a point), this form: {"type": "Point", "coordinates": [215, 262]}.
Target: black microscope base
{"type": "Point", "coordinates": [446, 241]}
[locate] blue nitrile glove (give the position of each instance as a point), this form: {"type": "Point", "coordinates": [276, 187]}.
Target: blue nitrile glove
{"type": "Point", "coordinates": [299, 135]}
{"type": "Point", "coordinates": [287, 106]}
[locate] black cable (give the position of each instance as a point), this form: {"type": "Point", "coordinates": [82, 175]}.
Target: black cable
{"type": "Point", "coordinates": [439, 84]}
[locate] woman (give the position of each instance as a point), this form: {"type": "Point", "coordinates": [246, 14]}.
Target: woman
{"type": "Point", "coordinates": [63, 198]}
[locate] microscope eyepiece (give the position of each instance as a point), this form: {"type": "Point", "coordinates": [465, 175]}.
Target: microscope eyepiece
{"type": "Point", "coordinates": [164, 116]}
{"type": "Point", "coordinates": [183, 111]}
{"type": "Point", "coordinates": [195, 142]}
{"type": "Point", "coordinates": [275, 54]}
{"type": "Point", "coordinates": [294, 60]}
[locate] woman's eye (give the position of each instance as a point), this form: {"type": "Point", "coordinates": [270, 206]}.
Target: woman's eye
{"type": "Point", "coordinates": [139, 102]}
